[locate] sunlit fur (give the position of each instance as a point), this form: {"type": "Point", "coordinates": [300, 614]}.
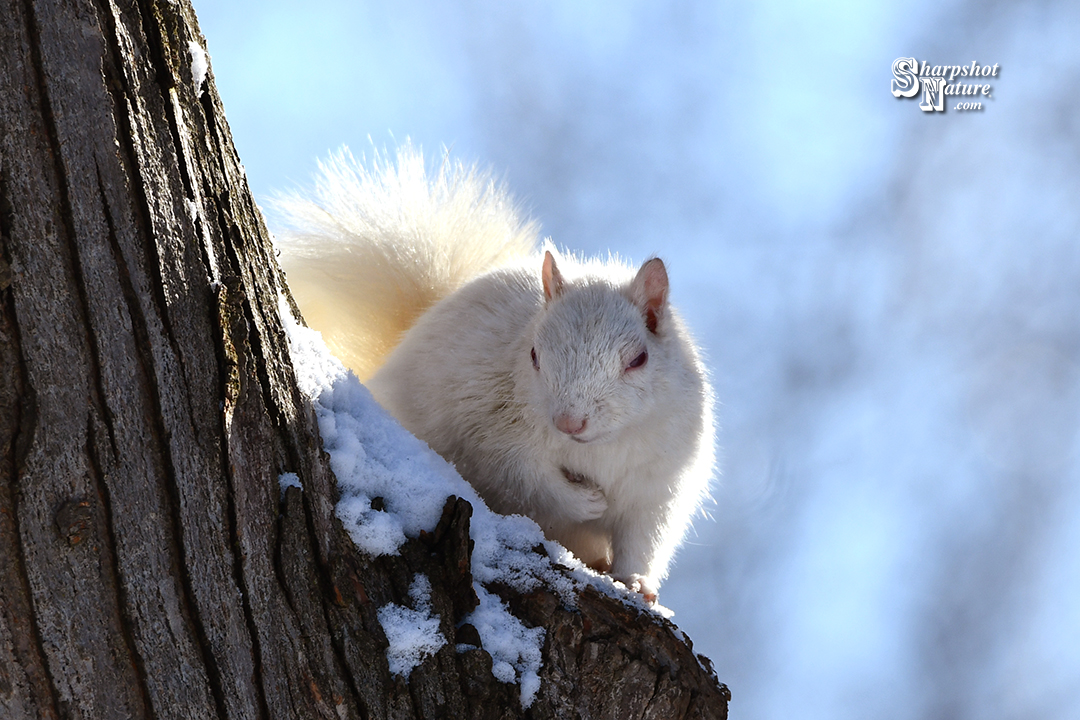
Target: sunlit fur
{"type": "Point", "coordinates": [369, 249]}
{"type": "Point", "coordinates": [463, 379]}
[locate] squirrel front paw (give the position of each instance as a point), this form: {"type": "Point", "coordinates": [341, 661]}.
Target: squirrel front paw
{"type": "Point", "coordinates": [588, 501]}
{"type": "Point", "coordinates": [593, 503]}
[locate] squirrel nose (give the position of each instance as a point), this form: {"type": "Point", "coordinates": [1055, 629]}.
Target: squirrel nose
{"type": "Point", "coordinates": [570, 424]}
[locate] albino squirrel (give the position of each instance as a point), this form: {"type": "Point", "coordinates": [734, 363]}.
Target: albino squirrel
{"type": "Point", "coordinates": [565, 390]}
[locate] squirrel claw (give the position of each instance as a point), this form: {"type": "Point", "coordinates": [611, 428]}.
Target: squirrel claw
{"type": "Point", "coordinates": [642, 585]}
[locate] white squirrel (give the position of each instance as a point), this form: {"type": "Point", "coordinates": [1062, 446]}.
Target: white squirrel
{"type": "Point", "coordinates": [565, 390]}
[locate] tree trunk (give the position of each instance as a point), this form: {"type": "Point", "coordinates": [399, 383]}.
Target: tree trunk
{"type": "Point", "coordinates": [149, 566]}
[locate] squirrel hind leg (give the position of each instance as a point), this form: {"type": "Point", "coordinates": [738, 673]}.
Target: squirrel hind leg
{"type": "Point", "coordinates": [600, 565]}
{"type": "Point", "coordinates": [590, 545]}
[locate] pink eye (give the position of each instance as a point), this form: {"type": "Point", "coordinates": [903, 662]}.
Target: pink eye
{"type": "Point", "coordinates": [536, 363]}
{"type": "Point", "coordinates": [638, 361]}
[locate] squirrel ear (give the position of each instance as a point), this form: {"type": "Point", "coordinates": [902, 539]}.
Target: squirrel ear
{"type": "Point", "coordinates": [649, 291]}
{"type": "Point", "coordinates": [553, 279]}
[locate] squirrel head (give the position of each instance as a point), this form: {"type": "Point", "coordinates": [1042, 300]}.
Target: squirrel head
{"type": "Point", "coordinates": [600, 350]}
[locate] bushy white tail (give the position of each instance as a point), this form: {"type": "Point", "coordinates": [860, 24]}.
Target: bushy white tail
{"type": "Point", "coordinates": [368, 250]}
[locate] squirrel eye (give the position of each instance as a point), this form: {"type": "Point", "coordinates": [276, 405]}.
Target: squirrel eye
{"type": "Point", "coordinates": [536, 363]}
{"type": "Point", "coordinates": [638, 361]}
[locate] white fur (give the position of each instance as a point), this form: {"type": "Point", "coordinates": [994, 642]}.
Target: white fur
{"type": "Point", "coordinates": [369, 250]}
{"type": "Point", "coordinates": [463, 379]}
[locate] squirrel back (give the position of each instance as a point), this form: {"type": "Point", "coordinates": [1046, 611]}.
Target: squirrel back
{"type": "Point", "coordinates": [566, 390]}
{"type": "Point", "coordinates": [369, 250]}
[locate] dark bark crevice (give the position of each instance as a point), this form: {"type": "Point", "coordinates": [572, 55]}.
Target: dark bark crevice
{"type": "Point", "coordinates": [237, 329]}
{"type": "Point", "coordinates": [306, 588]}
{"type": "Point", "coordinates": [260, 352]}
{"type": "Point", "coordinates": [21, 399]}
{"type": "Point", "coordinates": [18, 423]}
{"type": "Point", "coordinates": [110, 562]}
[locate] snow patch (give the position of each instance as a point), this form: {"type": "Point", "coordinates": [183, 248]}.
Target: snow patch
{"type": "Point", "coordinates": [413, 633]}
{"type": "Point", "coordinates": [288, 480]}
{"type": "Point", "coordinates": [199, 66]}
{"type": "Point", "coordinates": [514, 648]}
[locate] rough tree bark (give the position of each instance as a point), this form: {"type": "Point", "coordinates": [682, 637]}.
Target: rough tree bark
{"type": "Point", "coordinates": [148, 566]}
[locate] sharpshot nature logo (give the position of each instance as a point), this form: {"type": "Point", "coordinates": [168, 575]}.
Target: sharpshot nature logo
{"type": "Point", "coordinates": [938, 81]}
